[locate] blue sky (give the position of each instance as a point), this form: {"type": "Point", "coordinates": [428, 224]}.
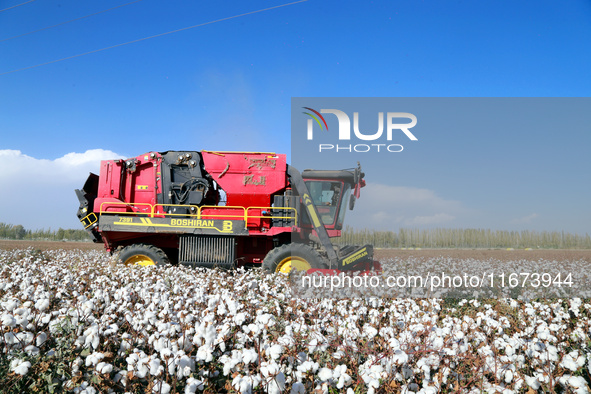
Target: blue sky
{"type": "Point", "coordinates": [228, 86]}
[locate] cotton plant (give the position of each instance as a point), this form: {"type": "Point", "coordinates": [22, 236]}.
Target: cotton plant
{"type": "Point", "coordinates": [175, 329]}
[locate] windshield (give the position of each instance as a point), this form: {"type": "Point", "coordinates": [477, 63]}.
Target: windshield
{"type": "Point", "coordinates": [343, 208]}
{"type": "Point", "coordinates": [326, 196]}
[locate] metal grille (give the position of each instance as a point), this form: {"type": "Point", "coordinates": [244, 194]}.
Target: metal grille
{"type": "Point", "coordinates": [207, 251]}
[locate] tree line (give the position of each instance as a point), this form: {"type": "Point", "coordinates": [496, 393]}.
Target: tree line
{"type": "Point", "coordinates": [465, 238]}
{"type": "Point", "coordinates": [10, 231]}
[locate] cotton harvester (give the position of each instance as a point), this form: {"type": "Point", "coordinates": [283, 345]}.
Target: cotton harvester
{"type": "Point", "coordinates": [222, 209]}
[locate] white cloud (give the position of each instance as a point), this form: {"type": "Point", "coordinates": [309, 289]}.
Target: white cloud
{"type": "Point", "coordinates": [386, 207]}
{"type": "Point", "coordinates": [525, 219]}
{"type": "Point", "coordinates": [427, 220]}
{"type": "Point", "coordinates": [39, 193]}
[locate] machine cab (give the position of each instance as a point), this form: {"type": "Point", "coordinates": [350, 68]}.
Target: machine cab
{"type": "Point", "coordinates": [331, 192]}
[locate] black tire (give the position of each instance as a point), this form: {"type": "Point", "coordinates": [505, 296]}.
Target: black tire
{"type": "Point", "coordinates": [141, 254]}
{"type": "Point", "coordinates": [306, 257]}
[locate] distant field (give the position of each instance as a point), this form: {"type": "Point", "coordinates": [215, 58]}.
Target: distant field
{"type": "Point", "coordinates": [9, 244]}
{"type": "Point", "coordinates": [484, 254]}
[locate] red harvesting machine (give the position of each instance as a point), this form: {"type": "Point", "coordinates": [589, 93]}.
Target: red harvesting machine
{"type": "Point", "coordinates": [223, 209]}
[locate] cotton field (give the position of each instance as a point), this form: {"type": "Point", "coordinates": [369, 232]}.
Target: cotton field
{"type": "Point", "coordinates": [72, 321]}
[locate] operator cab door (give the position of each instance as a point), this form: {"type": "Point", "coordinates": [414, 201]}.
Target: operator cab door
{"type": "Point", "coordinates": [330, 198]}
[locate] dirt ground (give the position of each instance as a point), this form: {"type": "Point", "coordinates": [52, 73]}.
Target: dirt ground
{"type": "Point", "coordinates": [480, 254]}
{"type": "Point", "coordinates": [46, 245]}
{"type": "Point", "coordinates": [484, 254]}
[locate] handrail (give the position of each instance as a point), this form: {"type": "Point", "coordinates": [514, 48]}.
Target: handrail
{"type": "Point", "coordinates": [243, 216]}
{"type": "Point", "coordinates": [127, 205]}
{"type": "Point", "coordinates": [199, 214]}
{"type": "Point", "coordinates": [294, 217]}
{"type": "Point", "coordinates": [153, 212]}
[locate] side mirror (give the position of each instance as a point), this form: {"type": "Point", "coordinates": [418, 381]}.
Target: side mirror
{"type": "Point", "coordinates": [352, 202]}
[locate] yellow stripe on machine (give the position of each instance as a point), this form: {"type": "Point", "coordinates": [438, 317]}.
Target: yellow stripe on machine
{"type": "Point", "coordinates": [355, 257]}
{"type": "Point", "coordinates": [210, 224]}
{"type": "Point", "coordinates": [311, 210]}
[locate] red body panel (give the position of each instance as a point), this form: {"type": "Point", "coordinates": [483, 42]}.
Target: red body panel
{"type": "Point", "coordinates": [249, 179]}
{"type": "Point", "coordinates": [138, 187]}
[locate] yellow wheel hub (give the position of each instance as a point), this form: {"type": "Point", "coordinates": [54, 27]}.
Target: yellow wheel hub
{"type": "Point", "coordinates": [292, 262]}
{"type": "Point", "coordinates": [139, 259]}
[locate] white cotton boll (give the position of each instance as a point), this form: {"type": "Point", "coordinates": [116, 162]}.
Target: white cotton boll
{"type": "Point", "coordinates": [15, 363]}
{"type": "Point", "coordinates": [8, 321]}
{"type": "Point", "coordinates": [578, 383]}
{"type": "Point", "coordinates": [193, 385]}
{"type": "Point", "coordinates": [94, 358]}
{"type": "Point", "coordinates": [298, 388]}
{"type": "Point", "coordinates": [324, 374]}
{"type": "Point", "coordinates": [254, 329]}
{"type": "Point", "coordinates": [308, 366]}
{"type": "Point", "coordinates": [228, 365]}
{"type": "Point", "coordinates": [132, 359]}
{"type": "Point", "coordinates": [394, 343]}
{"type": "Point", "coordinates": [204, 353]}
{"type": "Point", "coordinates": [509, 350]}
{"type": "Point", "coordinates": [459, 335]}
{"type": "Point", "coordinates": [264, 319]}
{"type": "Point", "coordinates": [508, 376]}
{"type": "Point", "coordinates": [166, 352]}
{"type": "Point", "coordinates": [573, 361]}
{"type": "Point", "coordinates": [269, 369]}
{"type": "Point", "coordinates": [141, 370]}
{"type": "Point", "coordinates": [241, 384]}
{"type": "Point", "coordinates": [32, 350]}
{"type": "Point", "coordinates": [185, 367]}
{"type": "Point", "coordinates": [286, 340]}
{"type": "Point", "coordinates": [434, 390]}
{"type": "Point", "coordinates": [22, 368]}
{"type": "Point", "coordinates": [277, 384]}
{"type": "Point", "coordinates": [240, 318]}
{"type": "Point", "coordinates": [76, 364]}
{"type": "Point", "coordinates": [42, 304]}
{"type": "Point", "coordinates": [274, 351]}
{"type": "Point", "coordinates": [25, 338]}
{"type": "Point", "coordinates": [532, 382]}
{"type": "Point", "coordinates": [89, 390]}
{"type": "Point", "coordinates": [340, 373]}
{"type": "Point", "coordinates": [437, 343]}
{"type": "Point", "coordinates": [221, 309]}
{"type": "Point", "coordinates": [369, 331]}
{"type": "Point", "coordinates": [10, 338]}
{"type": "Point", "coordinates": [552, 353]}
{"type": "Point", "coordinates": [155, 368]}
{"type": "Point", "coordinates": [104, 368]}
{"type": "Point", "coordinates": [245, 384]}
{"type": "Point", "coordinates": [249, 356]}
{"type": "Point", "coordinates": [372, 385]}
{"type": "Point", "coordinates": [120, 377]}
{"type": "Point", "coordinates": [124, 346]}
{"type": "Point", "coordinates": [338, 354]}
{"type": "Point", "coordinates": [10, 305]}
{"type": "Point", "coordinates": [400, 357]}
{"type": "Point", "coordinates": [41, 338]}
{"type": "Point", "coordinates": [92, 340]}
{"type": "Point", "coordinates": [575, 303]}
{"type": "Point", "coordinates": [161, 387]}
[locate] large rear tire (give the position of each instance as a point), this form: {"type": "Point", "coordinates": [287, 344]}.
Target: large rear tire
{"type": "Point", "coordinates": [295, 256]}
{"type": "Point", "coordinates": [142, 254]}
